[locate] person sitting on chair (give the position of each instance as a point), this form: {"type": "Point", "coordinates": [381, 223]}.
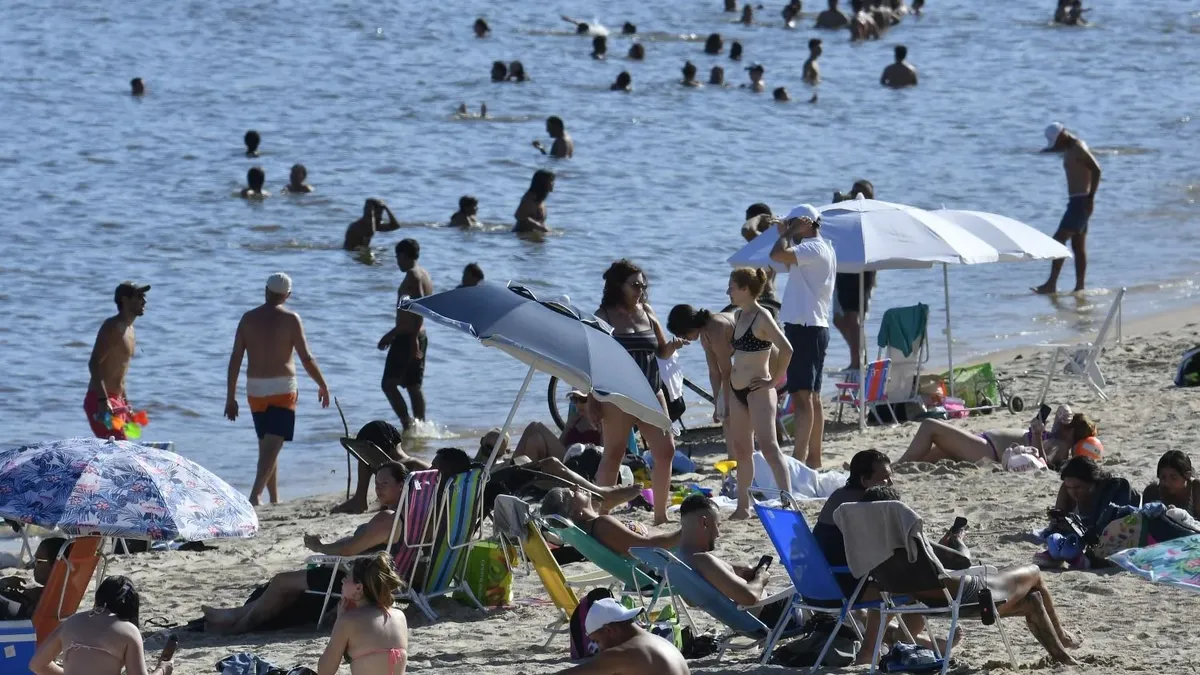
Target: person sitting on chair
{"type": "Point", "coordinates": [578, 506]}
{"type": "Point", "coordinates": [286, 587]}
{"type": "Point", "coordinates": [624, 646]}
{"type": "Point", "coordinates": [18, 598]}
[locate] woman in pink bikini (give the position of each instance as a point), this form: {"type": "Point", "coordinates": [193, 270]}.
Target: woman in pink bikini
{"type": "Point", "coordinates": [370, 631]}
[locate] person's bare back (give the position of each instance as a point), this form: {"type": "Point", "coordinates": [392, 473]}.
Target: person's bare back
{"type": "Point", "coordinates": [648, 653]}
{"type": "Point", "coordinates": [271, 334]}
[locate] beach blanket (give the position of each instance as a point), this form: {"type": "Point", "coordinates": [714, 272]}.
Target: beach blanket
{"type": "Point", "coordinates": [806, 483]}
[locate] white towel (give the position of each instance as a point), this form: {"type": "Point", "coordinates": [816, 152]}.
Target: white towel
{"type": "Point", "coordinates": [672, 377]}
{"type": "Point", "coordinates": [874, 530]}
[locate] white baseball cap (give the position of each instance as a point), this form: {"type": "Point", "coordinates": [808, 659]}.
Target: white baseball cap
{"type": "Point", "coordinates": [804, 211]}
{"type": "Point", "coordinates": [279, 283]}
{"type": "Point", "coordinates": [1052, 133]}
{"type": "Point", "coordinates": [606, 611]}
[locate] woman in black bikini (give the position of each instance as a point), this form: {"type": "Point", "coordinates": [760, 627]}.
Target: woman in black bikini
{"type": "Point", "coordinates": [625, 307]}
{"type": "Point", "coordinates": [752, 383]}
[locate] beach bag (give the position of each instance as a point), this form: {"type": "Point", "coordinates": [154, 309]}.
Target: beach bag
{"type": "Point", "coordinates": [906, 658]}
{"type": "Point", "coordinates": [1022, 458]}
{"type": "Point", "coordinates": [489, 575]}
{"type": "Point", "coordinates": [803, 651]}
{"type": "Point", "coordinates": [582, 646]}
{"type": "Point", "coordinates": [1188, 374]}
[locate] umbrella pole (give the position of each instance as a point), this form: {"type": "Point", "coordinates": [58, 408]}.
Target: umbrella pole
{"type": "Point", "coordinates": [862, 352]}
{"type": "Point", "coordinates": [949, 330]}
{"type": "Point", "coordinates": [512, 412]}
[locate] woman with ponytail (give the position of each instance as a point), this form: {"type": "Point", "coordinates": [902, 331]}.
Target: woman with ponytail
{"type": "Point", "coordinates": [761, 354]}
{"type": "Point", "coordinates": [99, 642]}
{"type": "Point", "coordinates": [370, 632]}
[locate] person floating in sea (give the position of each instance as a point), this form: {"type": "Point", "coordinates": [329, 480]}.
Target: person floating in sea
{"type": "Point", "coordinates": [735, 51]}
{"type": "Point", "coordinates": [832, 18]}
{"type": "Point", "coordinates": [463, 112]}
{"type": "Point", "coordinates": [599, 47]}
{"type": "Point", "coordinates": [756, 78]}
{"type": "Point", "coordinates": [137, 87]}
{"type": "Point", "coordinates": [406, 341]}
{"type": "Point", "coordinates": [717, 76]}
{"type": "Point", "coordinates": [899, 74]}
{"type": "Point", "coordinates": [731, 6]}
{"type": "Point", "coordinates": [812, 72]}
{"type": "Point", "coordinates": [916, 7]}
{"type": "Point", "coordinates": [689, 75]}
{"type": "Point", "coordinates": [637, 52]}
{"type": "Point", "coordinates": [499, 71]}
{"type": "Point", "coordinates": [252, 139]}
{"type": "Point", "coordinates": [482, 29]}
{"type": "Point", "coordinates": [1070, 13]}
{"type": "Point", "coordinates": [628, 29]}
{"type": "Point", "coordinates": [747, 15]}
{"type": "Point", "coordinates": [267, 336]}
{"type": "Point", "coordinates": [516, 72]}
{"type": "Point", "coordinates": [468, 208]}
{"type": "Point", "coordinates": [624, 82]}
{"type": "Point", "coordinates": [584, 28]}
{"type": "Point", "coordinates": [296, 178]}
{"type": "Point", "coordinates": [790, 12]}
{"type": "Point", "coordinates": [781, 95]}
{"type": "Point", "coordinates": [862, 24]}
{"type": "Point", "coordinates": [714, 44]}
{"type": "Point", "coordinates": [109, 362]}
{"type": "Point", "coordinates": [531, 212]}
{"type": "Point", "coordinates": [563, 146]}
{"type": "Point", "coordinates": [255, 178]}
{"type": "Point", "coordinates": [472, 275]}
{"type": "Point", "coordinates": [361, 231]}
{"type": "Point", "coordinates": [1083, 179]}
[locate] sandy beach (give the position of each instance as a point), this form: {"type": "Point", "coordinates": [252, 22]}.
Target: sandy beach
{"type": "Point", "coordinates": [1127, 624]}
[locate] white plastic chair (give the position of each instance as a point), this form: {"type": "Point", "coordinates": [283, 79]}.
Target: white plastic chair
{"type": "Point", "coordinates": [1083, 358]}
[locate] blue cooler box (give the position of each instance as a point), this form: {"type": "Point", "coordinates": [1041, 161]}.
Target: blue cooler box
{"type": "Point", "coordinates": [17, 643]}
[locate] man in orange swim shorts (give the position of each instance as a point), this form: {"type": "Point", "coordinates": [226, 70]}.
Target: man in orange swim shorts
{"type": "Point", "coordinates": [109, 363]}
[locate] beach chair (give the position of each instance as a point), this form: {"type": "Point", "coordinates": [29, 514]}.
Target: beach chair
{"type": "Point", "coordinates": [875, 391]}
{"type": "Point", "coordinates": [553, 580]}
{"type": "Point", "coordinates": [684, 583]}
{"type": "Point", "coordinates": [416, 510]}
{"type": "Point", "coordinates": [72, 572]}
{"type": "Point", "coordinates": [618, 569]}
{"type": "Point", "coordinates": [1082, 360]}
{"type": "Point", "coordinates": [898, 579]}
{"type": "Point", "coordinates": [816, 587]}
{"type": "Point", "coordinates": [458, 517]}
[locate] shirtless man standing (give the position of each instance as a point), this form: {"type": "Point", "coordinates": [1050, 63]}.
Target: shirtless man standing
{"type": "Point", "coordinates": [406, 341]}
{"type": "Point", "coordinates": [110, 359]}
{"type": "Point", "coordinates": [268, 334]}
{"type": "Point", "coordinates": [531, 212]}
{"type": "Point", "coordinates": [1083, 178]}
{"type": "Point", "coordinates": [812, 72]}
{"type": "Point", "coordinates": [361, 231]}
{"type": "Point", "coordinates": [563, 146]}
{"type": "Point", "coordinates": [901, 73]}
{"type": "Point", "coordinates": [625, 648]}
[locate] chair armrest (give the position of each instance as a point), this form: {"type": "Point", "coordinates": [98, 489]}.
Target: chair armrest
{"type": "Point", "coordinates": [846, 385]}
{"type": "Point", "coordinates": [781, 595]}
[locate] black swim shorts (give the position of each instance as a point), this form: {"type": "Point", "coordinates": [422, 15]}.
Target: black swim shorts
{"type": "Point", "coordinates": [402, 365]}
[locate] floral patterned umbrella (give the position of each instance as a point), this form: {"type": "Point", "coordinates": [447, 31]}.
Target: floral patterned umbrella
{"type": "Point", "coordinates": [91, 486]}
{"type": "Point", "coordinates": [1175, 562]}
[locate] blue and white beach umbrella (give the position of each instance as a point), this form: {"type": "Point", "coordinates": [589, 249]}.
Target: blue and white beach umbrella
{"type": "Point", "coordinates": [90, 486]}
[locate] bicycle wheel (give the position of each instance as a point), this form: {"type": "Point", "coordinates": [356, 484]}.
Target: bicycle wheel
{"type": "Point", "coordinates": [552, 401]}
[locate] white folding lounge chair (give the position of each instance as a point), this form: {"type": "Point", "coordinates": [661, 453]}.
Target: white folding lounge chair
{"type": "Point", "coordinates": [1082, 359]}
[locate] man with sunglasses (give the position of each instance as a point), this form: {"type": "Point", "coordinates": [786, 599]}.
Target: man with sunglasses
{"type": "Point", "coordinates": [805, 314]}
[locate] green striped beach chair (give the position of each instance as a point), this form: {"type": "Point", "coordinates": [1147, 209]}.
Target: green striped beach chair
{"type": "Point", "coordinates": [459, 516]}
{"type": "Point", "coordinates": [625, 573]}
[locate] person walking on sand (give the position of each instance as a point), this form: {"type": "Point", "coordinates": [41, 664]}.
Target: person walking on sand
{"type": "Point", "coordinates": [406, 341]}
{"type": "Point", "coordinates": [807, 305]}
{"type": "Point", "coordinates": [1083, 178]}
{"type": "Point", "coordinates": [267, 335]}
{"type": "Point", "coordinates": [109, 363]}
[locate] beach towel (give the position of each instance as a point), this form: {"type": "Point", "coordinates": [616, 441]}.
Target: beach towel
{"type": "Point", "coordinates": [245, 663]}
{"type": "Point", "coordinates": [806, 483]}
{"type": "Point", "coordinates": [874, 530]}
{"type": "Point", "coordinates": [903, 327]}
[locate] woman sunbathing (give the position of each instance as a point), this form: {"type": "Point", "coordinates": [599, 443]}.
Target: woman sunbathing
{"type": "Point", "coordinates": [937, 440]}
{"type": "Point", "coordinates": [577, 506]}
{"type": "Point", "coordinates": [369, 631]}
{"type": "Point", "coordinates": [1176, 484]}
{"type": "Point", "coordinates": [287, 587]}
{"type": "Point", "coordinates": [538, 442]}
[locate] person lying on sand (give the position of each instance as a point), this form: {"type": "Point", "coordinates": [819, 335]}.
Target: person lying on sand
{"type": "Point", "coordinates": [937, 440]}
{"type": "Point", "coordinates": [286, 587]}
{"type": "Point", "coordinates": [624, 646]}
{"type": "Point", "coordinates": [370, 632]}
{"type": "Point", "coordinates": [578, 506]}
{"type": "Point", "coordinates": [1176, 485]}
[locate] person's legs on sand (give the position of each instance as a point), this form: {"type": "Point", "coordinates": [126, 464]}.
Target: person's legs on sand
{"type": "Point", "coordinates": [936, 440]}
{"type": "Point", "coordinates": [1027, 580]}
{"type": "Point", "coordinates": [847, 325]}
{"type": "Point", "coordinates": [741, 439]}
{"type": "Point", "coordinates": [662, 449]}
{"type": "Point", "coordinates": [816, 433]}
{"type": "Point", "coordinates": [804, 420]}
{"type": "Point", "coordinates": [763, 404]}
{"type": "Point", "coordinates": [280, 593]}
{"type": "Point", "coordinates": [272, 481]}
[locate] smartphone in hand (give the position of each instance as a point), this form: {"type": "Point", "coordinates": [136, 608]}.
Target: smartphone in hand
{"type": "Point", "coordinates": [168, 652]}
{"type": "Point", "coordinates": [1044, 413]}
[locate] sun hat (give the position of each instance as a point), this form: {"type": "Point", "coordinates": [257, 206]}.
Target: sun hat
{"type": "Point", "coordinates": [804, 211]}
{"type": "Point", "coordinates": [606, 611]}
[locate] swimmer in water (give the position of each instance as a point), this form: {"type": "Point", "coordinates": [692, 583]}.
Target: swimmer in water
{"type": "Point", "coordinates": [581, 27]}
{"type": "Point", "coordinates": [1070, 13]}
{"type": "Point", "coordinates": [812, 72]}
{"type": "Point", "coordinates": [637, 52]}
{"type": "Point", "coordinates": [628, 29]}
{"type": "Point", "coordinates": [468, 208]}
{"type": "Point", "coordinates": [756, 78]}
{"type": "Point", "coordinates": [899, 74]}
{"type": "Point", "coordinates": [735, 51]}
{"type": "Point", "coordinates": [599, 47]}
{"type": "Point", "coordinates": [689, 75]}
{"type": "Point", "coordinates": [714, 44]}
{"type": "Point", "coordinates": [832, 18]}
{"type": "Point", "coordinates": [623, 82]}
{"type": "Point", "coordinates": [731, 6]}
{"type": "Point", "coordinates": [862, 24]}
{"type": "Point", "coordinates": [781, 95]}
{"type": "Point", "coordinates": [137, 87]}
{"type": "Point", "coordinates": [499, 71]}
{"type": "Point", "coordinates": [255, 178]}
{"type": "Point", "coordinates": [252, 139]}
{"type": "Point", "coordinates": [916, 7]}
{"type": "Point", "coordinates": [717, 76]}
{"type": "Point", "coordinates": [747, 15]}
{"type": "Point", "coordinates": [361, 231]}
{"type": "Point", "coordinates": [464, 112]}
{"type": "Point", "coordinates": [482, 29]}
{"type": "Point", "coordinates": [472, 275]}
{"type": "Point", "coordinates": [296, 184]}
{"type": "Point", "coordinates": [531, 213]}
{"type": "Point", "coordinates": [564, 146]}
{"type": "Point", "coordinates": [790, 12]}
{"type": "Point", "coordinates": [516, 72]}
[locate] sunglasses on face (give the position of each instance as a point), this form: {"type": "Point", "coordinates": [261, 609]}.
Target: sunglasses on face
{"type": "Point", "coordinates": [637, 285]}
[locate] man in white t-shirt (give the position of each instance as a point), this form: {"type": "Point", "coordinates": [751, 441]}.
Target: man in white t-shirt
{"type": "Point", "coordinates": [807, 307]}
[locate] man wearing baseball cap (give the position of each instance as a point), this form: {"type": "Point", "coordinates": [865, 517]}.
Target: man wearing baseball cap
{"type": "Point", "coordinates": [805, 313]}
{"type": "Point", "coordinates": [625, 648]}
{"type": "Point", "coordinates": [1083, 178]}
{"type": "Point", "coordinates": [109, 363]}
{"type": "Point", "coordinates": [267, 335]}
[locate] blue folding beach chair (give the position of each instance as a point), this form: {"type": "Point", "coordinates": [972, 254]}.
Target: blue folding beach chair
{"type": "Point", "coordinates": [682, 582]}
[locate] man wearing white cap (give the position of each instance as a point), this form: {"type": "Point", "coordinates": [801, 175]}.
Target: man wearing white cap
{"type": "Point", "coordinates": [267, 335]}
{"type": "Point", "coordinates": [807, 306]}
{"type": "Point", "coordinates": [626, 649]}
{"type": "Point", "coordinates": [1083, 178]}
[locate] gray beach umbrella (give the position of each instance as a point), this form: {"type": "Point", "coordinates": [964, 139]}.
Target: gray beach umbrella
{"type": "Point", "coordinates": [553, 337]}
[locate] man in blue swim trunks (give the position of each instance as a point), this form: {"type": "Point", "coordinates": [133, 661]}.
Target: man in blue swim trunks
{"type": "Point", "coordinates": [1083, 177]}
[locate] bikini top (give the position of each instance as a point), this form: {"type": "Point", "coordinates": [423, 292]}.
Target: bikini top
{"type": "Point", "coordinates": [748, 342]}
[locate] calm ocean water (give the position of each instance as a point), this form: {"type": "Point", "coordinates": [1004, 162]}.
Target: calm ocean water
{"type": "Point", "coordinates": [98, 187]}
